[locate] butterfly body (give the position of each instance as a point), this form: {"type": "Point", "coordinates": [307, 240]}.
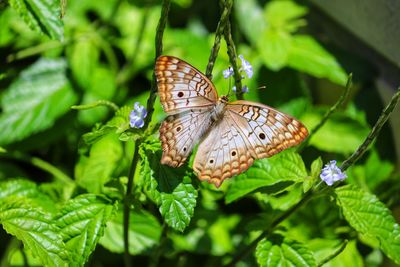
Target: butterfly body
{"type": "Point", "coordinates": [231, 134]}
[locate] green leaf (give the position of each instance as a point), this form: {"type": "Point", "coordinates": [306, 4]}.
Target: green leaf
{"type": "Point", "coordinates": [41, 16]}
{"type": "Point", "coordinates": [83, 57]}
{"type": "Point", "coordinates": [82, 221]}
{"type": "Point", "coordinates": [280, 251]}
{"type": "Point", "coordinates": [370, 217]}
{"type": "Point", "coordinates": [284, 15]}
{"type": "Point", "coordinates": [340, 134]}
{"type": "Point", "coordinates": [18, 187]}
{"type": "Point", "coordinates": [102, 87]}
{"type": "Point", "coordinates": [307, 55]}
{"type": "Point", "coordinates": [35, 228]}
{"type": "Point", "coordinates": [252, 26]}
{"type": "Point", "coordinates": [286, 166]}
{"type": "Point", "coordinates": [93, 171]}
{"type": "Point", "coordinates": [372, 173]}
{"type": "Point", "coordinates": [323, 248]}
{"type": "Point", "coordinates": [144, 233]}
{"type": "Point", "coordinates": [274, 47]}
{"type": "Point", "coordinates": [32, 103]}
{"type": "Point", "coordinates": [170, 188]}
{"type": "Point", "coordinates": [316, 167]}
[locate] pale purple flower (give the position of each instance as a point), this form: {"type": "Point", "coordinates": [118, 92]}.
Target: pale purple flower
{"type": "Point", "coordinates": [332, 173]}
{"type": "Point", "coordinates": [227, 73]}
{"type": "Point", "coordinates": [246, 67]}
{"type": "Point", "coordinates": [137, 115]}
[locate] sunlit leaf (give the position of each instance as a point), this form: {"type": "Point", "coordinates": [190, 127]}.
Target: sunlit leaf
{"type": "Point", "coordinates": [93, 171]}
{"type": "Point", "coordinates": [252, 26]}
{"type": "Point", "coordinates": [340, 134]}
{"type": "Point", "coordinates": [41, 15]}
{"type": "Point", "coordinates": [35, 100]}
{"type": "Point", "coordinates": [82, 222]}
{"type": "Point", "coordinates": [323, 248]}
{"type": "Point", "coordinates": [307, 55]}
{"type": "Point", "coordinates": [280, 251]}
{"type": "Point", "coordinates": [35, 228]}
{"type": "Point", "coordinates": [370, 217]}
{"type": "Point", "coordinates": [144, 233]}
{"type": "Point", "coordinates": [170, 188]}
{"type": "Point", "coordinates": [286, 166]}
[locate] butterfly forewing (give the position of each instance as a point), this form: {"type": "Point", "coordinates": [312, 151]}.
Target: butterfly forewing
{"type": "Point", "coordinates": [188, 96]}
{"type": "Point", "coordinates": [247, 131]}
{"type": "Point", "coordinates": [181, 86]}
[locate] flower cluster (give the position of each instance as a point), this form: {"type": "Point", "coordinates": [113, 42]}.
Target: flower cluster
{"type": "Point", "coordinates": [332, 173]}
{"type": "Point", "coordinates": [137, 115]}
{"type": "Point", "coordinates": [245, 67]}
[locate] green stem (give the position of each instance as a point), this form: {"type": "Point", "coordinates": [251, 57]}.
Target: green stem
{"type": "Point", "coordinates": [63, 5]}
{"type": "Point", "coordinates": [217, 41]}
{"type": "Point", "coordinates": [98, 103]}
{"type": "Point", "coordinates": [128, 196]}
{"type": "Point", "coordinates": [328, 114]}
{"type": "Point", "coordinates": [333, 255]}
{"type": "Point", "coordinates": [232, 54]}
{"type": "Point", "coordinates": [159, 48]}
{"type": "Point", "coordinates": [155, 259]}
{"type": "Point", "coordinates": [34, 50]}
{"type": "Point", "coordinates": [150, 109]}
{"type": "Point", "coordinates": [374, 132]}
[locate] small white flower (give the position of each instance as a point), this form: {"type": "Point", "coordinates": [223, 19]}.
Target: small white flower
{"type": "Point", "coordinates": [246, 67]}
{"type": "Point", "coordinates": [332, 173]}
{"type": "Point", "coordinates": [137, 115]}
{"type": "Point", "coordinates": [234, 89]}
{"type": "Point", "coordinates": [227, 73]}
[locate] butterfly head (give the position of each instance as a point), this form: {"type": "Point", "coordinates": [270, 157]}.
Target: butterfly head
{"type": "Point", "coordinates": [224, 99]}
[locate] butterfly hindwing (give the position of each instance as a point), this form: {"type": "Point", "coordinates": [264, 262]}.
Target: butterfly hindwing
{"type": "Point", "coordinates": [248, 131]}
{"type": "Point", "coordinates": [222, 154]}
{"type": "Point", "coordinates": [181, 86]}
{"type": "Point", "coordinates": [179, 133]}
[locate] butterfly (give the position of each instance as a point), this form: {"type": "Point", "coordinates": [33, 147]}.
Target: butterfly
{"type": "Point", "coordinates": [231, 135]}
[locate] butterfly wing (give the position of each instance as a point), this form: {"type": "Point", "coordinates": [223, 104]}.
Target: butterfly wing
{"type": "Point", "coordinates": [247, 131]}
{"type": "Point", "coordinates": [179, 133]}
{"type": "Point", "coordinates": [188, 96]}
{"type": "Point", "coordinates": [181, 86]}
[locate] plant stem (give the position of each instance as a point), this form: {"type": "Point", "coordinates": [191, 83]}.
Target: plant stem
{"type": "Point", "coordinates": [328, 114]}
{"type": "Point", "coordinates": [150, 109]}
{"type": "Point", "coordinates": [159, 47]}
{"type": "Point", "coordinates": [242, 254]}
{"type": "Point", "coordinates": [131, 174]}
{"type": "Point", "coordinates": [232, 54]}
{"type": "Point", "coordinates": [218, 33]}
{"type": "Point", "coordinates": [154, 262]}
{"type": "Point", "coordinates": [374, 132]}
{"type": "Point", "coordinates": [98, 103]}
{"type": "Point", "coordinates": [336, 253]}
